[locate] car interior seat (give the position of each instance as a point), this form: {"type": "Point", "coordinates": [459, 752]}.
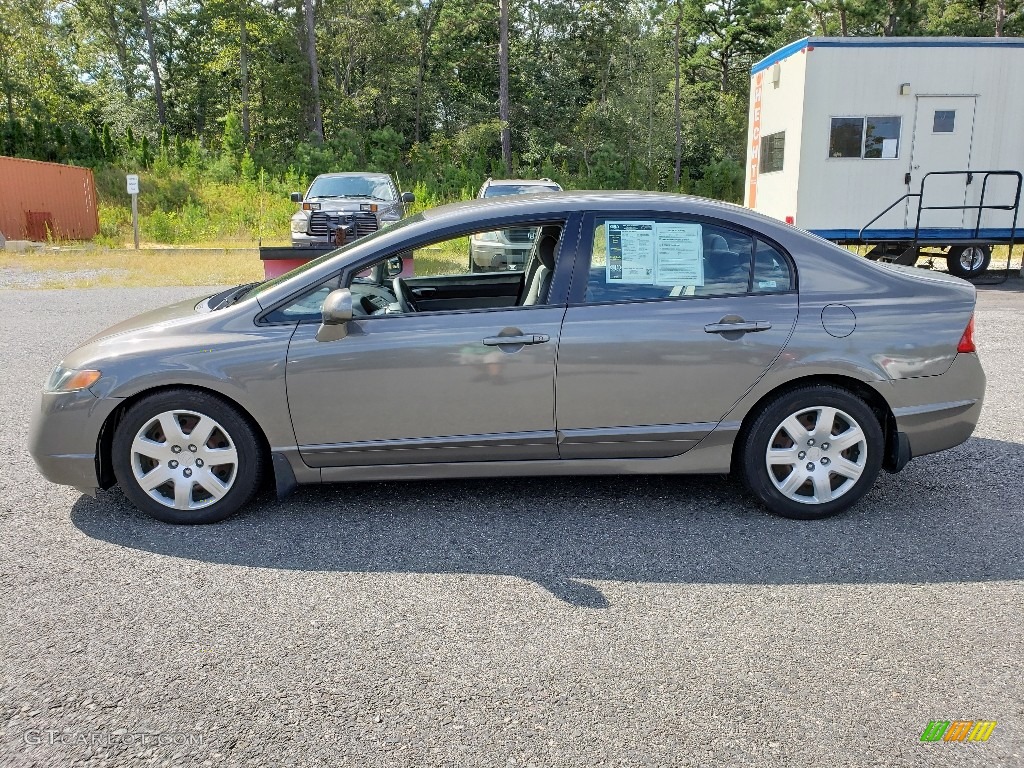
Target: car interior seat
{"type": "Point", "coordinates": [537, 278]}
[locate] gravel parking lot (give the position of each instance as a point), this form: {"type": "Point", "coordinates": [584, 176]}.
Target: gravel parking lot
{"type": "Point", "coordinates": [553, 622]}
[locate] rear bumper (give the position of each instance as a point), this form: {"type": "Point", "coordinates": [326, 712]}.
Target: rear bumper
{"type": "Point", "coordinates": [938, 412]}
{"type": "Point", "coordinates": [63, 436]}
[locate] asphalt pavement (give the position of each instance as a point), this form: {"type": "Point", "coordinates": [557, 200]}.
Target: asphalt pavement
{"type": "Point", "coordinates": [551, 622]}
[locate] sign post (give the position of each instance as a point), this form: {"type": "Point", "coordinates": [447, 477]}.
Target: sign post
{"type": "Point", "coordinates": [133, 190]}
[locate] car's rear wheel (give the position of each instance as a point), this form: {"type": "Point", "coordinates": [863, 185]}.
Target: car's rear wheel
{"type": "Point", "coordinates": [812, 452]}
{"type": "Point", "coordinates": [187, 457]}
{"type": "Point", "coordinates": [968, 260]}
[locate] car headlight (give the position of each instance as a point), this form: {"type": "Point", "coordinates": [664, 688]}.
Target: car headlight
{"type": "Point", "coordinates": [70, 379]}
{"type": "Point", "coordinates": [488, 237]}
{"type": "Point", "coordinates": [299, 223]}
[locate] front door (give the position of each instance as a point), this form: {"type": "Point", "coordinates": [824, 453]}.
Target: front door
{"type": "Point", "coordinates": [673, 328]}
{"type": "Point", "coordinates": [426, 384]}
{"type": "Point", "coordinates": [943, 134]}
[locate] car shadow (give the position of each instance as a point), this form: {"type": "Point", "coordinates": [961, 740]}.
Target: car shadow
{"type": "Point", "coordinates": [952, 517]}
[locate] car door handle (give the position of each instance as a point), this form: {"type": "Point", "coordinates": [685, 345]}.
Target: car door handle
{"type": "Point", "coordinates": [526, 338]}
{"type": "Point", "coordinates": [752, 326]}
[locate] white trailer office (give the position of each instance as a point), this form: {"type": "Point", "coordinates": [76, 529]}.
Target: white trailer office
{"type": "Point", "coordinates": [842, 128]}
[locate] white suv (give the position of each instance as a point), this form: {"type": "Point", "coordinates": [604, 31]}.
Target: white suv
{"type": "Point", "coordinates": [506, 248]}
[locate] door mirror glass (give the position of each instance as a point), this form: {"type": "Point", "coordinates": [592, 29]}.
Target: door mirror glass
{"type": "Point", "coordinates": [393, 267]}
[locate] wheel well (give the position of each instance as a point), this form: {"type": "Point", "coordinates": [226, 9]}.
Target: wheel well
{"type": "Point", "coordinates": [105, 441]}
{"type": "Point", "coordinates": [858, 389]}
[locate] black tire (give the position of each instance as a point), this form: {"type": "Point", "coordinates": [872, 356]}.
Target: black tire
{"type": "Point", "coordinates": [232, 429]}
{"type": "Point", "coordinates": [767, 430]}
{"type": "Point", "coordinates": [968, 260]}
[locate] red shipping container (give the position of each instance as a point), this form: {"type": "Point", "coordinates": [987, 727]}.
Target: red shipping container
{"type": "Point", "coordinates": [38, 200]}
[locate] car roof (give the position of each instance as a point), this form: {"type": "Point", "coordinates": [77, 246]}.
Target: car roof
{"type": "Point", "coordinates": [360, 174]}
{"type": "Point", "coordinates": [577, 200]}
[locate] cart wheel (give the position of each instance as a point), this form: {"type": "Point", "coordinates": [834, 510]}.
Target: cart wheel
{"type": "Point", "coordinates": [968, 260]}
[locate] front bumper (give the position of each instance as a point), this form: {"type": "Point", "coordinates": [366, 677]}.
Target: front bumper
{"type": "Point", "coordinates": [938, 412]}
{"type": "Point", "coordinates": [63, 437]}
{"type": "Point", "coordinates": [302, 240]}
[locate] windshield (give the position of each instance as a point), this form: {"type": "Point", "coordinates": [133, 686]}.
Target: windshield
{"type": "Point", "coordinates": [352, 186]}
{"type": "Point", "coordinates": [261, 288]}
{"type": "Point", "coordinates": [499, 190]}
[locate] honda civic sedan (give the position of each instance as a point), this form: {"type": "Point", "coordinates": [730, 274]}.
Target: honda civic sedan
{"type": "Point", "coordinates": [646, 333]}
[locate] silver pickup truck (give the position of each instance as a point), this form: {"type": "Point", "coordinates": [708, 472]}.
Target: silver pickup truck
{"type": "Point", "coordinates": [341, 207]}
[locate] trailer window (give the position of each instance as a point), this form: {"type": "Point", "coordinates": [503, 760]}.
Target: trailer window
{"type": "Point", "coordinates": [882, 137]}
{"type": "Point", "coordinates": [773, 149]}
{"type": "Point", "coordinates": [944, 121]}
{"type": "Point", "coordinates": [865, 137]}
{"type": "Point", "coordinates": [847, 137]}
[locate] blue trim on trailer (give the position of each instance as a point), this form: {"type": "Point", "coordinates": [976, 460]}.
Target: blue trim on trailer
{"type": "Point", "coordinates": [882, 42]}
{"type": "Point", "coordinates": [783, 53]}
{"type": "Point", "coordinates": [924, 236]}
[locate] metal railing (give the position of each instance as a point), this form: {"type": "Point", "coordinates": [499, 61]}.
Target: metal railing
{"type": "Point", "coordinates": [980, 207]}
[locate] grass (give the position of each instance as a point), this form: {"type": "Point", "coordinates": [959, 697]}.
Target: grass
{"type": "Point", "coordinates": [150, 267]}
{"type": "Point", "coordinates": [170, 266]}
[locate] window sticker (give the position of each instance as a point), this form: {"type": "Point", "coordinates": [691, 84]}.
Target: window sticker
{"type": "Point", "coordinates": [678, 254]}
{"type": "Point", "coordinates": [654, 253]}
{"type": "Point", "coordinates": [630, 246]}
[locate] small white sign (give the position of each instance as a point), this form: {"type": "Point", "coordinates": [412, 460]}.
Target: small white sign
{"type": "Point", "coordinates": [133, 184]}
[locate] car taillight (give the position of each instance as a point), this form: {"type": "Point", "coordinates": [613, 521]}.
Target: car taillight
{"type": "Point", "coordinates": [967, 340]}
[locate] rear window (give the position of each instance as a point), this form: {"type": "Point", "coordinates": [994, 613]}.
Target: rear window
{"type": "Point", "coordinates": [500, 190]}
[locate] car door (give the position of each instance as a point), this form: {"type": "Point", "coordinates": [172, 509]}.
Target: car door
{"type": "Point", "coordinates": [670, 322]}
{"type": "Point", "coordinates": [432, 386]}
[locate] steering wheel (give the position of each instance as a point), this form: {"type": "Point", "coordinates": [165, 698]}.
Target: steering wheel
{"type": "Point", "coordinates": [404, 296]}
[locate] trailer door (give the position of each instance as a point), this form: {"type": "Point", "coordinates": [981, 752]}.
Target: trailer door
{"type": "Point", "coordinates": [943, 132]}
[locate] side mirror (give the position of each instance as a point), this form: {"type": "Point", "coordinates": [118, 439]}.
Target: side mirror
{"type": "Point", "coordinates": [296, 197]}
{"type": "Point", "coordinates": [393, 267]}
{"type": "Point", "coordinates": [336, 313]}
{"type": "Point", "coordinates": [408, 197]}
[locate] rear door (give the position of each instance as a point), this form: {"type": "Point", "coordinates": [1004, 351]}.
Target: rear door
{"type": "Point", "coordinates": [668, 327]}
{"type": "Point", "coordinates": [943, 137]}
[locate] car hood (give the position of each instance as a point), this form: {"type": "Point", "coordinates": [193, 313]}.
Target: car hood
{"type": "Point", "coordinates": [156, 321]}
{"type": "Point", "coordinates": [348, 205]}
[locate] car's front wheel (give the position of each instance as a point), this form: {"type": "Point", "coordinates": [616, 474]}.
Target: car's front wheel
{"type": "Point", "coordinates": [812, 452]}
{"type": "Point", "coordinates": [187, 457]}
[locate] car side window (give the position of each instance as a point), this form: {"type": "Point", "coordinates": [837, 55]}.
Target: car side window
{"type": "Point", "coordinates": [772, 272]}
{"type": "Point", "coordinates": [307, 306]}
{"type": "Point", "coordinates": [637, 260]}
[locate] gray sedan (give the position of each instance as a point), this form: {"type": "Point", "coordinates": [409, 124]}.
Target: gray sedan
{"type": "Point", "coordinates": [647, 333]}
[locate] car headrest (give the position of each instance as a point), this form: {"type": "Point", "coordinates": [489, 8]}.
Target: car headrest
{"type": "Point", "coordinates": [547, 246]}
{"type": "Point", "coordinates": [715, 243]}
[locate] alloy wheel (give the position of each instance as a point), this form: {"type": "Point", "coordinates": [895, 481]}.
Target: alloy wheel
{"type": "Point", "coordinates": [971, 259]}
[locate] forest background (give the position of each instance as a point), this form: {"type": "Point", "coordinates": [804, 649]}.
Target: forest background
{"type": "Point", "coordinates": [225, 106]}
